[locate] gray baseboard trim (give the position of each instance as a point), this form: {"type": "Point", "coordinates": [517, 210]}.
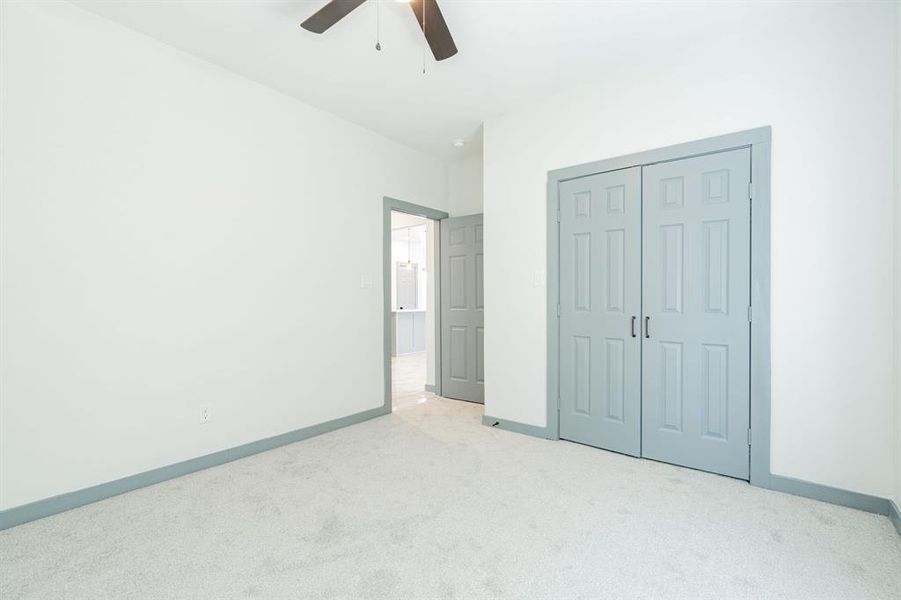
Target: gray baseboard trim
{"type": "Point", "coordinates": [431, 388]}
{"type": "Point", "coordinates": [57, 504]}
{"type": "Point", "coordinates": [816, 491]}
{"type": "Point", "coordinates": [894, 513]}
{"type": "Point", "coordinates": [796, 487]}
{"type": "Point", "coordinates": [514, 426]}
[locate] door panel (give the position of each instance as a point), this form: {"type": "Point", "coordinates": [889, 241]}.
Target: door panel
{"type": "Point", "coordinates": [696, 293]}
{"type": "Point", "coordinates": [600, 296]}
{"type": "Point", "coordinates": [462, 303]}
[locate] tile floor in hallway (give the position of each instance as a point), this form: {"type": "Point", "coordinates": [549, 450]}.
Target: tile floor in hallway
{"type": "Point", "coordinates": [408, 377]}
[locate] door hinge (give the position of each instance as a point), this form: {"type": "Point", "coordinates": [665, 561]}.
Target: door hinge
{"type": "Point", "coordinates": [750, 314]}
{"type": "Point", "coordinates": [750, 190]}
{"type": "Point", "coordinates": [749, 437]}
{"type": "Point", "coordinates": [558, 214]}
{"type": "Point", "coordinates": [558, 310]}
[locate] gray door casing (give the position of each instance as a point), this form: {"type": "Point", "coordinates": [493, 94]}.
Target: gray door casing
{"type": "Point", "coordinates": [600, 304]}
{"type": "Point", "coordinates": [388, 206]}
{"type": "Point", "coordinates": [696, 249]}
{"type": "Point", "coordinates": [462, 309]}
{"type": "Point", "coordinates": [758, 144]}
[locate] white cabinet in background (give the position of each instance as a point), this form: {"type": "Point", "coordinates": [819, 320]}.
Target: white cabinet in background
{"type": "Point", "coordinates": [409, 332]}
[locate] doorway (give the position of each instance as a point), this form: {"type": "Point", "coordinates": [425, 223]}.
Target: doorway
{"type": "Point", "coordinates": [659, 336]}
{"type": "Point", "coordinates": [413, 302]}
{"type": "Point", "coordinates": [433, 305]}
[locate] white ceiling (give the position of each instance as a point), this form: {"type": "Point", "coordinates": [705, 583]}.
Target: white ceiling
{"type": "Point", "coordinates": [510, 52]}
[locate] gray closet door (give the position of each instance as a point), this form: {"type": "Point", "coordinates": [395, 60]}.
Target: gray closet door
{"type": "Point", "coordinates": [462, 304]}
{"type": "Point", "coordinates": [600, 301]}
{"type": "Point", "coordinates": [696, 295]}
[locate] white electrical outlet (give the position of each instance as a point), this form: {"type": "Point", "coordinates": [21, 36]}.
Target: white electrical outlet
{"type": "Point", "coordinates": [206, 413]}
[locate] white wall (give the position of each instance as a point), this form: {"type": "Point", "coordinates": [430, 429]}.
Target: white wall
{"type": "Point", "coordinates": [161, 220]}
{"type": "Point", "coordinates": [897, 241]}
{"type": "Point", "coordinates": [822, 76]}
{"type": "Point", "coordinates": [399, 219]}
{"type": "Point", "coordinates": [464, 185]}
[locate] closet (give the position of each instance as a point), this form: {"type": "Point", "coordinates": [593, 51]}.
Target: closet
{"type": "Point", "coordinates": [654, 331]}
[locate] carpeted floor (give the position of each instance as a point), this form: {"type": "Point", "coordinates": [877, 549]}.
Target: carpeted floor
{"type": "Point", "coordinates": [428, 503]}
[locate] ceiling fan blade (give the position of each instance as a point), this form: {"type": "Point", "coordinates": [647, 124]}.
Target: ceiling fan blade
{"type": "Point", "coordinates": [330, 14]}
{"type": "Point", "coordinates": [435, 29]}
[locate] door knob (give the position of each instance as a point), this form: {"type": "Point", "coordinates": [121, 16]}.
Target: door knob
{"type": "Point", "coordinates": [647, 327]}
{"type": "Point", "coordinates": [632, 327]}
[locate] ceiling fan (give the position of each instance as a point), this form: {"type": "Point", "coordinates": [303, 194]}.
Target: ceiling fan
{"type": "Point", "coordinates": [427, 14]}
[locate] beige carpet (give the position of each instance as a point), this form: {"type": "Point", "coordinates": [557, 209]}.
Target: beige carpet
{"type": "Point", "coordinates": [428, 503]}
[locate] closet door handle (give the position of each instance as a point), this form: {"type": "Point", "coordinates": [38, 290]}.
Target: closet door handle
{"type": "Point", "coordinates": [647, 327]}
{"type": "Point", "coordinates": [632, 327]}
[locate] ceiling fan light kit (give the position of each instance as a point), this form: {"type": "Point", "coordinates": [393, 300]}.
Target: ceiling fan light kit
{"type": "Point", "coordinates": [427, 14]}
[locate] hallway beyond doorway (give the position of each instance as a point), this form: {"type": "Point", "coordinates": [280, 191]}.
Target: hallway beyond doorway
{"type": "Point", "coordinates": [408, 380]}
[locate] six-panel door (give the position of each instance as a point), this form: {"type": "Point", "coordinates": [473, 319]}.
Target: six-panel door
{"type": "Point", "coordinates": [600, 301]}
{"type": "Point", "coordinates": [462, 309]}
{"type": "Point", "coordinates": [696, 295]}
{"type": "Point", "coordinates": [669, 243]}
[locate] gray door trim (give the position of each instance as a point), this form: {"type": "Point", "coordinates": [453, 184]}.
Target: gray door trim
{"type": "Point", "coordinates": [392, 204]}
{"type": "Point", "coordinates": [759, 141]}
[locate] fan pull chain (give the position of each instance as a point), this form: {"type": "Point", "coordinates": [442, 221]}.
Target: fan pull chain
{"type": "Point", "coordinates": [378, 25]}
{"type": "Point", "coordinates": [424, 38]}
